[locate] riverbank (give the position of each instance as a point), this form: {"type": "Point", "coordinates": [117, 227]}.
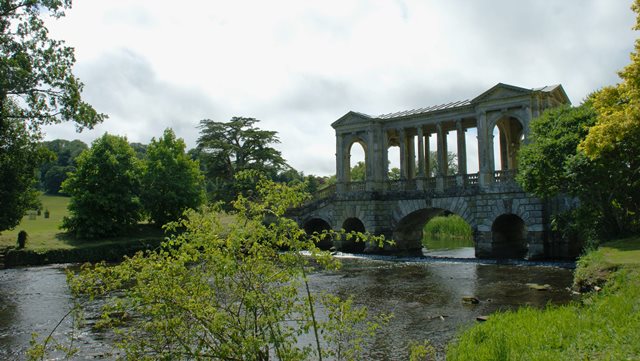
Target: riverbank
{"type": "Point", "coordinates": [602, 326]}
{"type": "Point", "coordinates": [46, 244]}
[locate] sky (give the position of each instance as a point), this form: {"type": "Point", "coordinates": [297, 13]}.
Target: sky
{"type": "Point", "coordinates": [299, 65]}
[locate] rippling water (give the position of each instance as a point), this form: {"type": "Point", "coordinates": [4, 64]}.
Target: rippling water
{"type": "Point", "coordinates": [425, 296]}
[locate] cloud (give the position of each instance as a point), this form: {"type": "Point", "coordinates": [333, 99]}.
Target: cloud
{"type": "Point", "coordinates": [298, 66]}
{"type": "Point", "coordinates": [124, 86]}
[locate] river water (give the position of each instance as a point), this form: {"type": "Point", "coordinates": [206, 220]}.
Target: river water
{"type": "Point", "coordinates": [424, 294]}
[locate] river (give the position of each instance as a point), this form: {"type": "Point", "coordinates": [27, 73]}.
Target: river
{"type": "Point", "coordinates": [424, 294]}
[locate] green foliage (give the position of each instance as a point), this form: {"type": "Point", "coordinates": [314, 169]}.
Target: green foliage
{"type": "Point", "coordinates": [452, 226]}
{"type": "Point", "coordinates": [54, 172]}
{"type": "Point", "coordinates": [216, 292]}
{"type": "Point", "coordinates": [36, 71]}
{"type": "Point", "coordinates": [452, 164]}
{"type": "Point", "coordinates": [359, 172]}
{"type": "Point", "coordinates": [224, 149]}
{"type": "Point", "coordinates": [543, 164]}
{"type": "Point", "coordinates": [171, 182]}
{"type": "Point", "coordinates": [19, 152]}
{"type": "Point", "coordinates": [104, 190]}
{"type": "Point", "coordinates": [604, 327]}
{"type": "Point", "coordinates": [36, 87]}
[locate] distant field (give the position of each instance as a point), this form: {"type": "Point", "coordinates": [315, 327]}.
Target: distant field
{"type": "Point", "coordinates": [42, 231]}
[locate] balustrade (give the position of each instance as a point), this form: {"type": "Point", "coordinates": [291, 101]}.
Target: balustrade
{"type": "Point", "coordinates": [503, 176]}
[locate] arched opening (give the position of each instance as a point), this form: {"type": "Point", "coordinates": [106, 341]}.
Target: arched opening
{"type": "Point", "coordinates": [353, 245]}
{"type": "Point", "coordinates": [449, 235]}
{"type": "Point", "coordinates": [318, 225]}
{"type": "Point", "coordinates": [393, 158]}
{"type": "Point", "coordinates": [508, 136]}
{"type": "Point", "coordinates": [357, 171]}
{"type": "Point", "coordinates": [509, 237]}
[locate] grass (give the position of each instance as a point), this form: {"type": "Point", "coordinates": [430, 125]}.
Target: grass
{"type": "Point", "coordinates": [604, 326]}
{"type": "Point", "coordinates": [44, 233]}
{"type": "Point", "coordinates": [446, 232]}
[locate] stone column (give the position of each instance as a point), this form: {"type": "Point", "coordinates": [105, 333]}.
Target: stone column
{"type": "Point", "coordinates": [442, 151]}
{"type": "Point", "coordinates": [427, 156]}
{"type": "Point", "coordinates": [420, 153]}
{"type": "Point", "coordinates": [462, 148]}
{"type": "Point", "coordinates": [485, 150]}
{"type": "Point", "coordinates": [411, 157]}
{"type": "Point", "coordinates": [340, 163]}
{"type": "Point", "coordinates": [402, 139]}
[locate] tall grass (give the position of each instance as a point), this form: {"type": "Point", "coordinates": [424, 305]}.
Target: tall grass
{"type": "Point", "coordinates": [447, 232]}
{"type": "Point", "coordinates": [604, 326]}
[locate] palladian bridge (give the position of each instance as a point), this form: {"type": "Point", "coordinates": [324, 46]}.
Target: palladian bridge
{"type": "Point", "coordinates": [506, 221]}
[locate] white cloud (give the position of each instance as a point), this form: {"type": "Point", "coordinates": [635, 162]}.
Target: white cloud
{"type": "Point", "coordinates": [299, 65]}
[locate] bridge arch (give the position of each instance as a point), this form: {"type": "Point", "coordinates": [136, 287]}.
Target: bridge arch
{"type": "Point", "coordinates": [353, 224]}
{"type": "Point", "coordinates": [509, 237]}
{"type": "Point", "coordinates": [318, 225]}
{"type": "Point", "coordinates": [411, 216]}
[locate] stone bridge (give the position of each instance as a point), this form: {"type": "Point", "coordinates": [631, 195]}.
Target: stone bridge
{"type": "Point", "coordinates": [506, 222]}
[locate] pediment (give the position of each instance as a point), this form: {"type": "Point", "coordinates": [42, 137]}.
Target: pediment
{"type": "Point", "coordinates": [501, 91]}
{"type": "Point", "coordinates": [351, 118]}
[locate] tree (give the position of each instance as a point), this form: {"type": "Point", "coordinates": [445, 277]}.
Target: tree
{"type": "Point", "coordinates": [35, 71]}
{"type": "Point", "coordinates": [19, 151]}
{"type": "Point", "coordinates": [54, 172]}
{"type": "Point", "coordinates": [104, 190]}
{"type": "Point", "coordinates": [543, 163]}
{"type": "Point", "coordinates": [228, 148]}
{"type": "Point", "coordinates": [614, 140]}
{"type": "Point", "coordinates": [37, 87]}
{"type": "Point", "coordinates": [171, 182]}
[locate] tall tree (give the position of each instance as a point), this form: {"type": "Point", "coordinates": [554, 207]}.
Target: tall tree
{"type": "Point", "coordinates": [104, 190]}
{"type": "Point", "coordinates": [615, 138]}
{"type": "Point", "coordinates": [37, 87]}
{"type": "Point", "coordinates": [19, 151]}
{"type": "Point", "coordinates": [172, 182]}
{"type": "Point", "coordinates": [226, 148]}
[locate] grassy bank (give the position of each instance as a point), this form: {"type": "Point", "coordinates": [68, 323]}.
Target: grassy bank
{"type": "Point", "coordinates": [47, 244]}
{"type": "Point", "coordinates": [603, 326]}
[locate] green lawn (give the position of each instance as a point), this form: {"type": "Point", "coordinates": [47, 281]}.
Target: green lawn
{"type": "Point", "coordinates": [43, 232]}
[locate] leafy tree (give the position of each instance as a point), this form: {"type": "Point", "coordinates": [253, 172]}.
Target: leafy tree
{"type": "Point", "coordinates": [359, 172]}
{"type": "Point", "coordinates": [19, 151]}
{"type": "Point", "coordinates": [104, 190]}
{"type": "Point", "coordinates": [452, 163]}
{"type": "Point", "coordinates": [54, 172]}
{"type": "Point", "coordinates": [614, 141]}
{"type": "Point", "coordinates": [37, 87]}
{"type": "Point", "coordinates": [229, 292]}
{"type": "Point", "coordinates": [140, 150]}
{"type": "Point", "coordinates": [543, 163]}
{"type": "Point", "coordinates": [172, 182]}
{"type": "Point", "coordinates": [238, 145]}
{"type": "Point", "coordinates": [36, 71]}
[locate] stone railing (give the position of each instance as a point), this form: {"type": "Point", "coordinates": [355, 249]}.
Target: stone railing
{"type": "Point", "coordinates": [471, 179]}
{"type": "Point", "coordinates": [503, 176]}
{"type": "Point", "coordinates": [356, 186]}
{"type": "Point", "coordinates": [450, 182]}
{"type": "Point", "coordinates": [325, 192]}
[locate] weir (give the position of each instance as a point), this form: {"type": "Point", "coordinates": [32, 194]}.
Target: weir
{"type": "Point", "coordinates": [506, 221]}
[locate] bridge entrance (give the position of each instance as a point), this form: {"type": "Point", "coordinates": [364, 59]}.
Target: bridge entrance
{"type": "Point", "coordinates": [506, 222]}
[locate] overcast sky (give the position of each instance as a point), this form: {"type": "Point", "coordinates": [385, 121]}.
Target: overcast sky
{"type": "Point", "coordinates": [300, 65]}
